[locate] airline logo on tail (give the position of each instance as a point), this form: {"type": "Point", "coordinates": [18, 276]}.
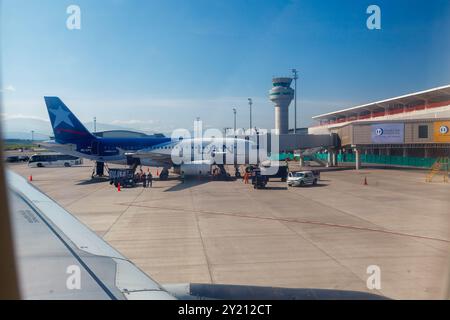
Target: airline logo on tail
{"type": "Point", "coordinates": [66, 126]}
{"type": "Point", "coordinates": [61, 116]}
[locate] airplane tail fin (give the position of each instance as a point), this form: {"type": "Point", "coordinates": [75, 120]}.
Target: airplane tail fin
{"type": "Point", "coordinates": [66, 126]}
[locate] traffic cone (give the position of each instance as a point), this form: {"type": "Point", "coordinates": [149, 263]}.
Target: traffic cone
{"type": "Point", "coordinates": [157, 172]}
{"type": "Point", "coordinates": [118, 187]}
{"type": "Point", "coordinates": [365, 181]}
{"type": "Point", "coordinates": [30, 178]}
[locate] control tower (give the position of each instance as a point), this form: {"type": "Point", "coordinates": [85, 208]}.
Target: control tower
{"type": "Point", "coordinates": [281, 94]}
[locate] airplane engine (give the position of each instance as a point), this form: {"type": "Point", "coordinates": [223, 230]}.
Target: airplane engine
{"type": "Point", "coordinates": [195, 169]}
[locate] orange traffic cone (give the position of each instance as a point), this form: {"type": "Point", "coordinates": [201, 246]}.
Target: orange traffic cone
{"type": "Point", "coordinates": [118, 187]}
{"type": "Point", "coordinates": [365, 181]}
{"type": "Point", "coordinates": [30, 178]}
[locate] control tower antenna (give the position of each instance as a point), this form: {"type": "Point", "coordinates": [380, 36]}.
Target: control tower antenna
{"type": "Point", "coordinates": [295, 77]}
{"type": "Point", "coordinates": [250, 103]}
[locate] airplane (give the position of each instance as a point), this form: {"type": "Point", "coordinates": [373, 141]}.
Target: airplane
{"type": "Point", "coordinates": [72, 138]}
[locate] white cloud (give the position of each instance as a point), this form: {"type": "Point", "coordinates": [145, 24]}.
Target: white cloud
{"type": "Point", "coordinates": [6, 116]}
{"type": "Point", "coordinates": [8, 88]}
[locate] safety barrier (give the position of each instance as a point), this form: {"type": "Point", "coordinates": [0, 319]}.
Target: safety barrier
{"type": "Point", "coordinates": [283, 157]}
{"type": "Point", "coordinates": [386, 160]}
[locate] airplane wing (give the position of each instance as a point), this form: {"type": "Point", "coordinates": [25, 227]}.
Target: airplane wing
{"type": "Point", "coordinates": [60, 258]}
{"type": "Point", "coordinates": [151, 154]}
{"type": "Point", "coordinates": [168, 158]}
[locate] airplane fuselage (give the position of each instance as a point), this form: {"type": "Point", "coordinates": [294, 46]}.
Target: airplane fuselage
{"type": "Point", "coordinates": [146, 149]}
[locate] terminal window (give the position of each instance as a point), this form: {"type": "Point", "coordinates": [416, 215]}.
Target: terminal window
{"type": "Point", "coordinates": [423, 132]}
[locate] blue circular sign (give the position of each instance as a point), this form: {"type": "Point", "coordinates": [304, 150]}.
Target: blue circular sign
{"type": "Point", "coordinates": [379, 132]}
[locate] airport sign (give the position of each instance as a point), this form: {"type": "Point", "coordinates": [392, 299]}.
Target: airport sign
{"type": "Point", "coordinates": [385, 133]}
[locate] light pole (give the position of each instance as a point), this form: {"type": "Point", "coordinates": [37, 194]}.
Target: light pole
{"type": "Point", "coordinates": [32, 135]}
{"type": "Point", "coordinates": [294, 71]}
{"type": "Point", "coordinates": [234, 112]}
{"type": "Point", "coordinates": [95, 124]}
{"type": "Point", "coordinates": [250, 102]}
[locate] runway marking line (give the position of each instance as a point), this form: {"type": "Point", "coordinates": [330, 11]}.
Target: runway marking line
{"type": "Point", "coordinates": [311, 222]}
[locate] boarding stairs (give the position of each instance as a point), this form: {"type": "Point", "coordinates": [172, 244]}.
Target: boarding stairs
{"type": "Point", "coordinates": [312, 154]}
{"type": "Point", "coordinates": [441, 165]}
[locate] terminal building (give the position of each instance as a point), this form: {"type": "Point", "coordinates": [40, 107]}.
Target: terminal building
{"type": "Point", "coordinates": [401, 129]}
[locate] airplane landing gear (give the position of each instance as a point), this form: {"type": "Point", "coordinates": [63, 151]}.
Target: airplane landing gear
{"type": "Point", "coordinates": [220, 173]}
{"type": "Point", "coordinates": [164, 175]}
{"type": "Point", "coordinates": [237, 173]}
{"type": "Point", "coordinates": [99, 170]}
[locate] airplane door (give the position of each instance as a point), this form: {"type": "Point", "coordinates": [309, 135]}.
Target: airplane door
{"type": "Point", "coordinates": [94, 148]}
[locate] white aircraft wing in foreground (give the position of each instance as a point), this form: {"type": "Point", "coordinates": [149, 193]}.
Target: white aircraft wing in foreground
{"type": "Point", "coordinates": [53, 248]}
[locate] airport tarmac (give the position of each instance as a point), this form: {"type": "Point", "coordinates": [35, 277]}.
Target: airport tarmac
{"type": "Point", "coordinates": [314, 237]}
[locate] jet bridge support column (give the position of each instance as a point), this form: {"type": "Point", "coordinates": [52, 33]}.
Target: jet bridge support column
{"type": "Point", "coordinates": [301, 162]}
{"type": "Point", "coordinates": [332, 160]}
{"type": "Point", "coordinates": [357, 158]}
{"type": "Point", "coordinates": [333, 157]}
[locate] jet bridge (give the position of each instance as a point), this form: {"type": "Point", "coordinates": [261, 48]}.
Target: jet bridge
{"type": "Point", "coordinates": [293, 142]}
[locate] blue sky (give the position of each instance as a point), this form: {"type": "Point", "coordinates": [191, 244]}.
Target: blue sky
{"type": "Point", "coordinates": [157, 65]}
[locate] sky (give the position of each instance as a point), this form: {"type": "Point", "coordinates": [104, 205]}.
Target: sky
{"type": "Point", "coordinates": [158, 65]}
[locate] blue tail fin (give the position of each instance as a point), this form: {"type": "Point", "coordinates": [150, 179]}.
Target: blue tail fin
{"type": "Point", "coordinates": [66, 127]}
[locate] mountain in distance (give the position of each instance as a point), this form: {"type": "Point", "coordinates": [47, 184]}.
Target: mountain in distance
{"type": "Point", "coordinates": [20, 128]}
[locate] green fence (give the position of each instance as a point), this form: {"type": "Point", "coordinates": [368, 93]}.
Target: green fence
{"type": "Point", "coordinates": [387, 160]}
{"type": "Point", "coordinates": [283, 157]}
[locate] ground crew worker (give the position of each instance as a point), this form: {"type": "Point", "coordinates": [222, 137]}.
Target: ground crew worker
{"type": "Point", "coordinates": [246, 174]}
{"type": "Point", "coordinates": [144, 180]}
{"type": "Point", "coordinates": [149, 180]}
